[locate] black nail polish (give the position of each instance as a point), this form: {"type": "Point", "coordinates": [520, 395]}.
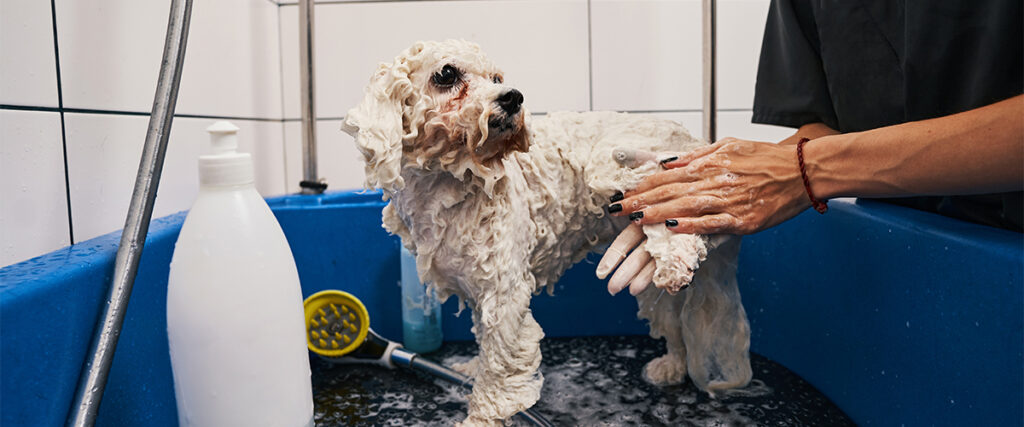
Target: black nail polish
{"type": "Point", "coordinates": [614, 208]}
{"type": "Point", "coordinates": [636, 215]}
{"type": "Point", "coordinates": [617, 196]}
{"type": "Point", "coordinates": [670, 159]}
{"type": "Point", "coordinates": [671, 222]}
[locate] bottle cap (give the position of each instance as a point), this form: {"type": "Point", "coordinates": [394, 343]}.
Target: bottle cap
{"type": "Point", "coordinates": [223, 137]}
{"type": "Point", "coordinates": [225, 166]}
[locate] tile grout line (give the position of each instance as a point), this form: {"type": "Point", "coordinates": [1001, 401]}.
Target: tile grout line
{"type": "Point", "coordinates": [31, 108]}
{"type": "Point", "coordinates": [63, 127]}
{"type": "Point", "coordinates": [129, 113]}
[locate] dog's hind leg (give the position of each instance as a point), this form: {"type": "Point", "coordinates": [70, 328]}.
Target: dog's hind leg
{"type": "Point", "coordinates": [507, 379]}
{"type": "Point", "coordinates": [714, 325]}
{"type": "Point", "coordinates": [662, 312]}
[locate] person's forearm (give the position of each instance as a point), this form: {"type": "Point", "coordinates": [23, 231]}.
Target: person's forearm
{"type": "Point", "coordinates": [809, 131]}
{"type": "Point", "coordinates": [977, 151]}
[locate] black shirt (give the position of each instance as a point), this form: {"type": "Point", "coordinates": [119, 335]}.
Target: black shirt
{"type": "Point", "coordinates": [856, 65]}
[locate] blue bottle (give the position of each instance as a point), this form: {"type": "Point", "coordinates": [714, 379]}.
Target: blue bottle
{"type": "Point", "coordinates": [421, 311]}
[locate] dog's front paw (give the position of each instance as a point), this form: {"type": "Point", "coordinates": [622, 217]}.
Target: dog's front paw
{"type": "Point", "coordinates": [666, 370]}
{"type": "Point", "coordinates": [676, 256]}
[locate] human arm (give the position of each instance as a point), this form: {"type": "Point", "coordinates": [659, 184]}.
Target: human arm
{"type": "Point", "coordinates": [741, 187]}
{"type": "Point", "coordinates": [974, 152]}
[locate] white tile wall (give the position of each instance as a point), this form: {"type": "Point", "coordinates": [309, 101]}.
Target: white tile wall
{"type": "Point", "coordinates": [242, 62]}
{"type": "Point", "coordinates": [265, 140]}
{"type": "Point", "coordinates": [111, 50]}
{"type": "Point", "coordinates": [739, 32]}
{"type": "Point", "coordinates": [33, 204]}
{"type": "Point", "coordinates": [737, 125]}
{"type": "Point", "coordinates": [103, 157]}
{"type": "Point", "coordinates": [339, 162]}
{"type": "Point", "coordinates": [233, 60]}
{"type": "Point", "coordinates": [540, 44]}
{"type": "Point", "coordinates": [646, 54]}
{"type": "Point", "coordinates": [27, 70]}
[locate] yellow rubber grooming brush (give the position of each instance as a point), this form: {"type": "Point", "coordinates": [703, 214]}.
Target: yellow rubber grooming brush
{"type": "Point", "coordinates": [336, 323]}
{"type": "Point", "coordinates": [338, 330]}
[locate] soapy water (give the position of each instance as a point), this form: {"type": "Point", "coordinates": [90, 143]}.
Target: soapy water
{"type": "Point", "coordinates": [590, 381]}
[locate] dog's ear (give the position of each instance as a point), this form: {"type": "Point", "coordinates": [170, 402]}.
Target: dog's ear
{"type": "Point", "coordinates": [376, 124]}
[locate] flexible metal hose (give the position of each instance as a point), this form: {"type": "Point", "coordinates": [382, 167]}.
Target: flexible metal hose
{"type": "Point", "coordinates": [93, 379]}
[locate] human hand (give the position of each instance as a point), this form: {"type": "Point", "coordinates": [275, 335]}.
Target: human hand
{"type": "Point", "coordinates": [732, 187]}
{"type": "Point", "coordinates": [636, 271]}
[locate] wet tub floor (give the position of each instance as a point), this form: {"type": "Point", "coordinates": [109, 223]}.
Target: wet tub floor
{"type": "Point", "coordinates": [587, 381]}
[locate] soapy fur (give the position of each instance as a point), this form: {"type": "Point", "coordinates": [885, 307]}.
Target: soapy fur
{"type": "Point", "coordinates": [496, 206]}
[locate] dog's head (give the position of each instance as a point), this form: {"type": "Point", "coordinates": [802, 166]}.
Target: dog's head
{"type": "Point", "coordinates": [439, 106]}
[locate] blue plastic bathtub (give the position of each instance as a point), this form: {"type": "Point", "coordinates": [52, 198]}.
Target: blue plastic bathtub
{"type": "Point", "coordinates": [899, 316]}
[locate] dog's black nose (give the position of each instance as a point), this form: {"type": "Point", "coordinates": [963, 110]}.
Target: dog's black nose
{"type": "Point", "coordinates": [510, 101]}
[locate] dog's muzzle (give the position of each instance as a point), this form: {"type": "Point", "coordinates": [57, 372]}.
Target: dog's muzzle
{"type": "Point", "coordinates": [509, 106]}
{"type": "Point", "coordinates": [510, 101]}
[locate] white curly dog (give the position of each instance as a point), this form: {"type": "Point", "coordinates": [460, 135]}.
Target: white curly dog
{"type": "Point", "coordinates": [496, 205]}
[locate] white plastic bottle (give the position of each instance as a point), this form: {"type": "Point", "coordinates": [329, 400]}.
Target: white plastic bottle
{"type": "Point", "coordinates": [235, 321]}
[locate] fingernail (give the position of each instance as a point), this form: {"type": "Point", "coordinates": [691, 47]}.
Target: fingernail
{"type": "Point", "coordinates": [670, 159]}
{"type": "Point", "coordinates": [614, 208]}
{"type": "Point", "coordinates": [671, 222]}
{"type": "Point", "coordinates": [617, 196]}
{"type": "Point", "coordinates": [635, 215]}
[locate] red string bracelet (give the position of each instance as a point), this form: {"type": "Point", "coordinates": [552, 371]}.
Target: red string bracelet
{"type": "Point", "coordinates": [819, 205]}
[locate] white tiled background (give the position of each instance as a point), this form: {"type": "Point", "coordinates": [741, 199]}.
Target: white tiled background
{"type": "Point", "coordinates": [73, 111]}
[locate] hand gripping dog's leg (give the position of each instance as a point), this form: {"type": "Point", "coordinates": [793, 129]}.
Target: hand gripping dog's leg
{"type": "Point", "coordinates": [507, 378]}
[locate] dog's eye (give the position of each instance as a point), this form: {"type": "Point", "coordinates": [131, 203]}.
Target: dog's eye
{"type": "Point", "coordinates": [497, 79]}
{"type": "Point", "coordinates": [446, 77]}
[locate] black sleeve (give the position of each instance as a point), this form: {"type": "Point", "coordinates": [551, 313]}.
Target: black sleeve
{"type": "Point", "coordinates": [791, 88]}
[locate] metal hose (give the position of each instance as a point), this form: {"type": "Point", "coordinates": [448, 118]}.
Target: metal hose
{"type": "Point", "coordinates": [93, 379]}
